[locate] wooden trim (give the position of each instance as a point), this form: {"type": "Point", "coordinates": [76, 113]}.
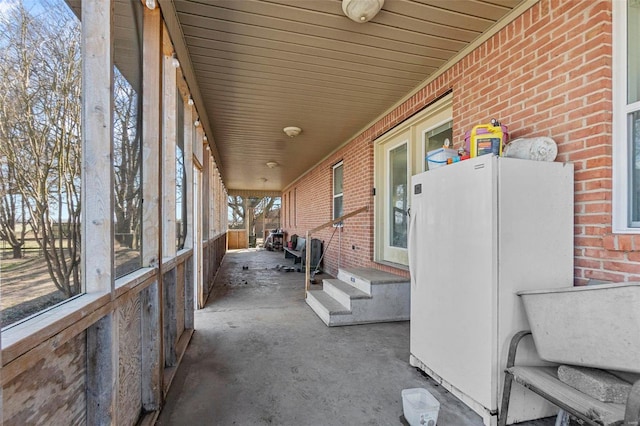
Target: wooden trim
{"type": "Point", "coordinates": [135, 281]}
{"type": "Point", "coordinates": [76, 314]}
{"type": "Point", "coordinates": [45, 347]}
{"type": "Point", "coordinates": [169, 263]}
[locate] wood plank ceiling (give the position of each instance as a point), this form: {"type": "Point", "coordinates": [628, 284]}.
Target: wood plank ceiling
{"type": "Point", "coordinates": [261, 65]}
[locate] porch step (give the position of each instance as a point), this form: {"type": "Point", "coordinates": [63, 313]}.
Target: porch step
{"type": "Point", "coordinates": [360, 296]}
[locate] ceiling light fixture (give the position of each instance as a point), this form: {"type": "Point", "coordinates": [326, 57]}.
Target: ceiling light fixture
{"type": "Point", "coordinates": [361, 10]}
{"type": "Point", "coordinates": [175, 61]}
{"type": "Point", "coordinates": [272, 164]}
{"type": "Point", "coordinates": [292, 131]}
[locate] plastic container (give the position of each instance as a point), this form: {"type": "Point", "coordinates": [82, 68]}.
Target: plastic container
{"type": "Point", "coordinates": [594, 326]}
{"type": "Point", "coordinates": [486, 139]}
{"type": "Point", "coordinates": [420, 407]}
{"type": "Point", "coordinates": [438, 157]}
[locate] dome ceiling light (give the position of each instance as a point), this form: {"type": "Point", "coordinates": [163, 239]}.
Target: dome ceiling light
{"type": "Point", "coordinates": [292, 131]}
{"type": "Point", "coordinates": [272, 164]}
{"type": "Point", "coordinates": [361, 10]}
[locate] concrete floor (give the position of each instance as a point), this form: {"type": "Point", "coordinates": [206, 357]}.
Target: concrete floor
{"type": "Point", "coordinates": [260, 356]}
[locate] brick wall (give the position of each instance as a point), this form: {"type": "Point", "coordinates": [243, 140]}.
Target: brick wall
{"type": "Point", "coordinates": [547, 73]}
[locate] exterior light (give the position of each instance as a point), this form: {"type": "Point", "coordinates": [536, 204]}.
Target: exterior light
{"type": "Point", "coordinates": [190, 101]}
{"type": "Point", "coordinates": [197, 122]}
{"type": "Point", "coordinates": [205, 138]}
{"type": "Point", "coordinates": [151, 4]}
{"type": "Point", "coordinates": [272, 164]}
{"type": "Point", "coordinates": [175, 61]}
{"type": "Point", "coordinates": [292, 131]}
{"type": "Point", "coordinates": [361, 10]}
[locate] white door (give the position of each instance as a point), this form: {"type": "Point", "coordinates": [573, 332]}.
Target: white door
{"type": "Point", "coordinates": [395, 199]}
{"type": "Point", "coordinates": [399, 155]}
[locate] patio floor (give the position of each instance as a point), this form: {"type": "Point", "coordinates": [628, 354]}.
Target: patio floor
{"type": "Point", "coordinates": [260, 356]}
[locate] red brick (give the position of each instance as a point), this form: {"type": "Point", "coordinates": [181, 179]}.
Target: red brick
{"type": "Point", "coordinates": [627, 267]}
{"type": "Point", "coordinates": [625, 242]}
{"type": "Point", "coordinates": [609, 242]}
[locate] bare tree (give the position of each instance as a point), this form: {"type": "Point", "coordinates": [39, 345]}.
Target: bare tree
{"type": "Point", "coordinates": [236, 209]}
{"type": "Point", "coordinates": [13, 227]}
{"type": "Point", "coordinates": [257, 209]}
{"type": "Point", "coordinates": [127, 159]}
{"type": "Point", "coordinates": [40, 131]}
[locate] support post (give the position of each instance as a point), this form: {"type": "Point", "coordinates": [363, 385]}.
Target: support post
{"type": "Point", "coordinates": [98, 205]}
{"type": "Point", "coordinates": [307, 262]}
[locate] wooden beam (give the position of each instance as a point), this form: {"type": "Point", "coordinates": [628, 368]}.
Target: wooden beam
{"type": "Point", "coordinates": [97, 152]}
{"type": "Point", "coordinates": [206, 200]}
{"type": "Point", "coordinates": [169, 159]}
{"type": "Point", "coordinates": [98, 206]}
{"type": "Point", "coordinates": [169, 323]}
{"type": "Point", "coordinates": [102, 371]}
{"type": "Point", "coordinates": [152, 136]}
{"type": "Point", "coordinates": [151, 339]}
{"type": "Point", "coordinates": [189, 132]}
{"type": "Point", "coordinates": [189, 293]}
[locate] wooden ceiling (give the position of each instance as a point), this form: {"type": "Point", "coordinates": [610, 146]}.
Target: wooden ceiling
{"type": "Point", "coordinates": [261, 65]}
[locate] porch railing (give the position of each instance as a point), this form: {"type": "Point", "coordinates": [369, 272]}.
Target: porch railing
{"type": "Point", "coordinates": [307, 261]}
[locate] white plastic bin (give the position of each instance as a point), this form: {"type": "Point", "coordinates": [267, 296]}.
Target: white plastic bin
{"type": "Point", "coordinates": [420, 407]}
{"type": "Point", "coordinates": [438, 157]}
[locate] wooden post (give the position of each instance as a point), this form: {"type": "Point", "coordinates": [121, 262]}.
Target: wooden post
{"type": "Point", "coordinates": [189, 132]}
{"type": "Point", "coordinates": [188, 293]}
{"type": "Point", "coordinates": [102, 371]}
{"type": "Point", "coordinates": [97, 151]}
{"type": "Point", "coordinates": [307, 261]}
{"type": "Point", "coordinates": [151, 297]}
{"type": "Point", "coordinates": [169, 319]}
{"type": "Point", "coordinates": [98, 205]}
{"type": "Point", "coordinates": [169, 159]}
{"type": "Point", "coordinates": [152, 136]}
{"type": "Point", "coordinates": [151, 346]}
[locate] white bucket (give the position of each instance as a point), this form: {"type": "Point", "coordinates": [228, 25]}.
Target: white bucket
{"type": "Point", "coordinates": [438, 157]}
{"type": "Point", "coordinates": [420, 407]}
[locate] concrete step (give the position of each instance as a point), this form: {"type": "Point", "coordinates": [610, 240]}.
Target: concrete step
{"type": "Point", "coordinates": [365, 279]}
{"type": "Point", "coordinates": [343, 292]}
{"type": "Point", "coordinates": [361, 296]}
{"type": "Point", "coordinates": [326, 307]}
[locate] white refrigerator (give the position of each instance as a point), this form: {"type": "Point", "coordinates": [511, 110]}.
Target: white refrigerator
{"type": "Point", "coordinates": [481, 230]}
